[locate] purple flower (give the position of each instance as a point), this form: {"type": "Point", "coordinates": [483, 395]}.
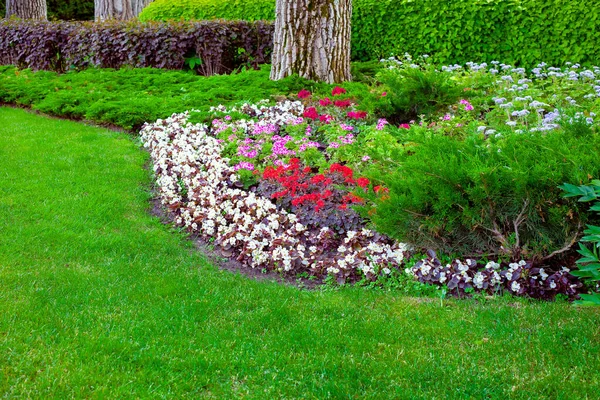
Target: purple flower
{"type": "Point", "coordinates": [381, 124]}
{"type": "Point", "coordinates": [244, 165]}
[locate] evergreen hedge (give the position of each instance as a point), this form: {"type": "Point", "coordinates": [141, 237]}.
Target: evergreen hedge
{"type": "Point", "coordinates": [522, 32]}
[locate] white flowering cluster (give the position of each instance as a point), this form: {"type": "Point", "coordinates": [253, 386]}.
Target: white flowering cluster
{"type": "Point", "coordinates": [519, 278]}
{"type": "Point", "coordinates": [200, 188]}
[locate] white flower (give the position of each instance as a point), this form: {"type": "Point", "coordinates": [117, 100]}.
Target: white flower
{"type": "Point", "coordinates": [515, 286]}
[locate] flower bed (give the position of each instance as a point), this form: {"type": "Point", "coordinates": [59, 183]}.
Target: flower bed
{"type": "Point", "coordinates": [203, 191]}
{"type": "Point", "coordinates": [295, 186]}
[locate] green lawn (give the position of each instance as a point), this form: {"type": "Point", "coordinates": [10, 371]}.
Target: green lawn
{"type": "Point", "coordinates": [98, 299]}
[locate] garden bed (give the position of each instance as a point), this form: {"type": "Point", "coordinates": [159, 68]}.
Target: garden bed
{"type": "Point", "coordinates": [313, 186]}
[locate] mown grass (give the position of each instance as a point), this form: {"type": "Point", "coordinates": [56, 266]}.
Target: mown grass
{"type": "Point", "coordinates": [100, 300]}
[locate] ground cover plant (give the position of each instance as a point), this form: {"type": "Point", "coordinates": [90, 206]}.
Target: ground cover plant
{"type": "Point", "coordinates": [100, 299]}
{"type": "Point", "coordinates": [129, 97]}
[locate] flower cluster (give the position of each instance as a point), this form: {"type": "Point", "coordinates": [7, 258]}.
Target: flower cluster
{"type": "Point", "coordinates": [201, 191]}
{"type": "Point", "coordinates": [520, 278]}
{"type": "Point", "coordinates": [317, 199]}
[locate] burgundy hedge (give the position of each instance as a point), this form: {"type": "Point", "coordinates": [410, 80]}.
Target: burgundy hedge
{"type": "Point", "coordinates": [61, 46]}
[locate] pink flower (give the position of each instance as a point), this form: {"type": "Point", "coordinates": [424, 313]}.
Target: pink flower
{"type": "Point", "coordinates": [325, 118]}
{"type": "Point", "coordinates": [468, 106]}
{"type": "Point", "coordinates": [357, 114]}
{"type": "Point", "coordinates": [342, 103]}
{"type": "Point", "coordinates": [366, 158]}
{"type": "Point", "coordinates": [311, 113]}
{"type": "Point", "coordinates": [303, 94]}
{"type": "Point", "coordinates": [381, 124]}
{"type": "Point", "coordinates": [325, 102]}
{"type": "Point", "coordinates": [337, 91]}
{"type": "Point", "coordinates": [404, 126]}
{"type": "Point", "coordinates": [447, 117]}
{"type": "Point", "coordinates": [383, 94]}
{"type": "Point", "coordinates": [244, 165]}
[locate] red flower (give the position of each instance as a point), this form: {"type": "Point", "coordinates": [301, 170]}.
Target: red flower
{"type": "Point", "coordinates": [320, 204]}
{"type": "Point", "coordinates": [279, 194]}
{"type": "Point", "coordinates": [362, 182]}
{"type": "Point", "coordinates": [303, 94]}
{"type": "Point", "coordinates": [325, 118]}
{"type": "Point", "coordinates": [357, 114]}
{"type": "Point", "coordinates": [342, 103]}
{"type": "Point", "coordinates": [343, 207]}
{"type": "Point", "coordinates": [325, 102]}
{"type": "Point", "coordinates": [311, 113]}
{"type": "Point", "coordinates": [346, 171]}
{"type": "Point", "coordinates": [317, 179]}
{"type": "Point", "coordinates": [337, 91]}
{"type": "Point", "coordinates": [405, 126]}
{"type": "Point", "coordinates": [383, 94]}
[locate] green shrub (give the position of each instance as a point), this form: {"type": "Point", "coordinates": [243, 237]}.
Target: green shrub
{"type": "Point", "coordinates": [483, 196]}
{"type": "Point", "coordinates": [249, 10]}
{"type": "Point", "coordinates": [521, 32]}
{"type": "Point", "coordinates": [416, 91]}
{"type": "Point", "coordinates": [129, 97]}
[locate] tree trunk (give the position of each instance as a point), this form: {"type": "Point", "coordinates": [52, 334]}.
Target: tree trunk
{"type": "Point", "coordinates": [113, 9]}
{"type": "Point", "coordinates": [312, 39]}
{"type": "Point", "coordinates": [138, 5]}
{"type": "Point", "coordinates": [27, 9]}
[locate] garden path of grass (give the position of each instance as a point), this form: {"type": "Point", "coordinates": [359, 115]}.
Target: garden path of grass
{"type": "Point", "coordinates": [98, 299]}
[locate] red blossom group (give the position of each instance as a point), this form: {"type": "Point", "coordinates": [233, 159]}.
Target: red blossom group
{"type": "Point", "coordinates": [303, 94]}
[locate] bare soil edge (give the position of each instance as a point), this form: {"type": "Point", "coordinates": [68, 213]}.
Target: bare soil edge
{"type": "Point", "coordinates": [214, 254]}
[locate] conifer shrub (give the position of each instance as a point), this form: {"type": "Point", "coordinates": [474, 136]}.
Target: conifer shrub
{"type": "Point", "coordinates": [487, 196]}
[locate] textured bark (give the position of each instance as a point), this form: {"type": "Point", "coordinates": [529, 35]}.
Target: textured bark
{"type": "Point", "coordinates": [138, 5]}
{"type": "Point", "coordinates": [312, 39]}
{"type": "Point", "coordinates": [113, 9]}
{"type": "Point", "coordinates": [27, 9]}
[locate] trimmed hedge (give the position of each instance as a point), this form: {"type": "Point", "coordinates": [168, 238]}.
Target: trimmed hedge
{"type": "Point", "coordinates": [521, 32]}
{"type": "Point", "coordinates": [60, 46]}
{"type": "Point", "coordinates": [247, 10]}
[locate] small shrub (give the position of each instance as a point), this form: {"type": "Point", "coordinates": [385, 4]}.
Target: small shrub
{"type": "Point", "coordinates": [414, 91]}
{"type": "Point", "coordinates": [483, 196]}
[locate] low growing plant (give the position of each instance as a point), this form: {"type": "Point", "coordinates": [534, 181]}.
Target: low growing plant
{"type": "Point", "coordinates": [589, 264]}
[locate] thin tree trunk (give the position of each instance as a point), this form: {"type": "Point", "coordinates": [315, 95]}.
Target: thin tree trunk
{"type": "Point", "coordinates": [312, 39]}
{"type": "Point", "coordinates": [27, 9]}
{"type": "Point", "coordinates": [113, 9]}
{"type": "Point", "coordinates": [138, 5]}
